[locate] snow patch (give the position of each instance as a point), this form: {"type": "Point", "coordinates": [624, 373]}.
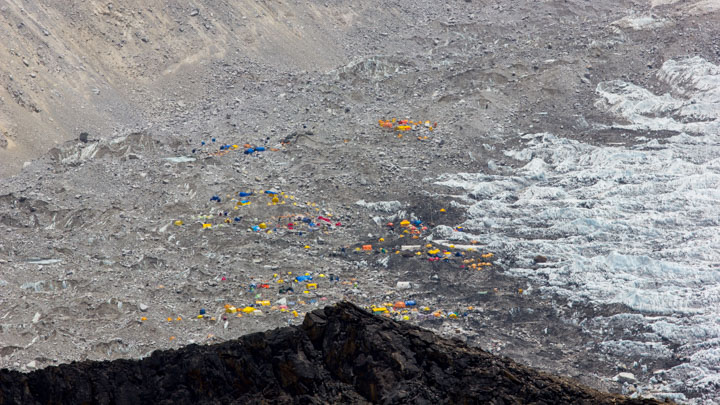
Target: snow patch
{"type": "Point", "coordinates": [180, 159]}
{"type": "Point", "coordinates": [382, 206]}
{"type": "Point", "coordinates": [638, 23]}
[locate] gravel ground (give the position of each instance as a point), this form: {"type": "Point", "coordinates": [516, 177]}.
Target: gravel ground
{"type": "Point", "coordinates": [95, 267]}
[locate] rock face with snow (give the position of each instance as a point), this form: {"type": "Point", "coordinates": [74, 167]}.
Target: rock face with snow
{"type": "Point", "coordinates": [340, 354]}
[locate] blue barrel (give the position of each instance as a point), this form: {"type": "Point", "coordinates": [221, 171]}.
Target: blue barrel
{"type": "Point", "coordinates": [410, 303]}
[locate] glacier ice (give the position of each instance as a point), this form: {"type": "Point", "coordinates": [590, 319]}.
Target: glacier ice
{"type": "Point", "coordinates": [636, 225]}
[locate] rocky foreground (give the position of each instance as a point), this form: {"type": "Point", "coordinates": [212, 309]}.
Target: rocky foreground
{"type": "Point", "coordinates": [340, 354]}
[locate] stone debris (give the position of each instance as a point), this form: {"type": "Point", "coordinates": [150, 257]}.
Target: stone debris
{"type": "Point", "coordinates": [127, 220]}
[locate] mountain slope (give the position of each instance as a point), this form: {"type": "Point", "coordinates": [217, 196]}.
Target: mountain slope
{"type": "Point", "coordinates": [340, 354]}
{"type": "Point", "coordinates": [69, 67]}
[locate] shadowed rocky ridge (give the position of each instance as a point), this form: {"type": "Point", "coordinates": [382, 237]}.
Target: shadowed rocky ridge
{"type": "Point", "coordinates": [340, 354]}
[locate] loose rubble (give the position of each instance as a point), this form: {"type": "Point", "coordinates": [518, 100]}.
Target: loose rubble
{"type": "Point", "coordinates": [220, 182]}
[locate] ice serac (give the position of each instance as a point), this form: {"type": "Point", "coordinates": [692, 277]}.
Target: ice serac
{"type": "Point", "coordinates": [340, 354]}
{"type": "Point", "coordinates": [692, 105]}
{"type": "Point", "coordinates": [634, 225]}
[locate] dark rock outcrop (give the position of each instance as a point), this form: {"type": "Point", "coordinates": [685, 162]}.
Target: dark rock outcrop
{"type": "Point", "coordinates": [341, 354]}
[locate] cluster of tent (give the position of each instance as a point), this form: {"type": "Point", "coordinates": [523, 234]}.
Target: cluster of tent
{"type": "Point", "coordinates": [404, 125]}
{"type": "Point", "coordinates": [406, 310]}
{"type": "Point", "coordinates": [215, 148]}
{"type": "Point", "coordinates": [414, 228]}
{"type": "Point", "coordinates": [462, 256]}
{"type": "Point", "coordinates": [303, 220]}
{"type": "Point", "coordinates": [305, 287]}
{"type": "Point", "coordinates": [466, 257]}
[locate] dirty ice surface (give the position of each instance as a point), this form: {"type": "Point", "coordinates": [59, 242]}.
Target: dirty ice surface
{"type": "Point", "coordinates": [637, 225]}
